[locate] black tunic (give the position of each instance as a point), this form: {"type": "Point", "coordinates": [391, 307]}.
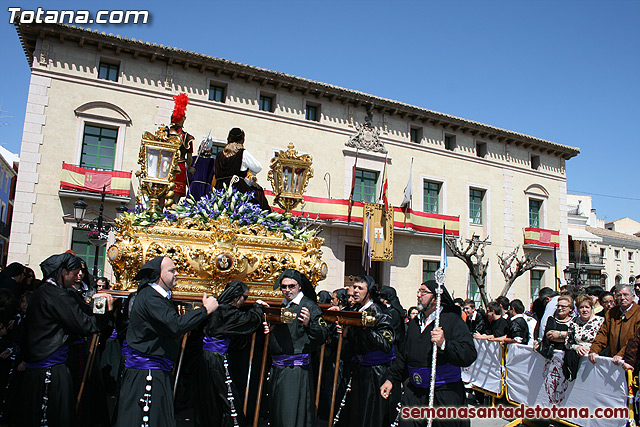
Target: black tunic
{"type": "Point", "coordinates": [155, 328]}
{"type": "Point", "coordinates": [418, 350]}
{"type": "Point", "coordinates": [365, 406]}
{"type": "Point", "coordinates": [499, 328]}
{"type": "Point", "coordinates": [52, 317]}
{"type": "Point", "coordinates": [212, 408]}
{"type": "Point", "coordinates": [518, 328]}
{"type": "Point", "coordinates": [227, 167]}
{"type": "Point", "coordinates": [291, 392]}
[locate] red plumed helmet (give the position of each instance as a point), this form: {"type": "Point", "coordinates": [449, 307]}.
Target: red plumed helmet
{"type": "Point", "coordinates": [179, 109]}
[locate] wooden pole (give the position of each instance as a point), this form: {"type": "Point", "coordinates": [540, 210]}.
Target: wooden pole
{"type": "Point", "coordinates": [179, 366]}
{"type": "Point", "coordinates": [88, 367]}
{"type": "Point", "coordinates": [336, 372]}
{"type": "Point", "coordinates": [256, 416]}
{"type": "Point", "coordinates": [246, 391]}
{"type": "Point", "coordinates": [319, 379]}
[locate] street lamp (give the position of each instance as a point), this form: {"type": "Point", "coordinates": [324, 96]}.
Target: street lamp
{"type": "Point", "coordinates": [98, 228]}
{"type": "Point", "coordinates": [575, 276]}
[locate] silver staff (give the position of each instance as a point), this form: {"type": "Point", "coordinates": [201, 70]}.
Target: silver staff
{"type": "Point", "coordinates": [440, 278]}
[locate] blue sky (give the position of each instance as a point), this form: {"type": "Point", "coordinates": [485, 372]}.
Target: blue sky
{"type": "Point", "coordinates": [566, 71]}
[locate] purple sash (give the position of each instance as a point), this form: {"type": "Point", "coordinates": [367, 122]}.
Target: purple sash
{"type": "Point", "coordinates": [59, 356]}
{"type": "Point", "coordinates": [137, 360]}
{"type": "Point", "coordinates": [215, 344]}
{"type": "Point", "coordinates": [291, 359]}
{"type": "Point", "coordinates": [445, 374]}
{"type": "Point", "coordinates": [377, 357]}
{"type": "Point", "coordinates": [114, 334]}
{"type": "Point", "coordinates": [125, 348]}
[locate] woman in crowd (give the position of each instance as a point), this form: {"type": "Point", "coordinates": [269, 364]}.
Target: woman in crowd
{"type": "Point", "coordinates": [607, 301]}
{"type": "Point", "coordinates": [411, 313]}
{"type": "Point", "coordinates": [557, 327]}
{"type": "Point", "coordinates": [218, 402]}
{"type": "Point", "coordinates": [340, 299]}
{"type": "Point", "coordinates": [582, 331]}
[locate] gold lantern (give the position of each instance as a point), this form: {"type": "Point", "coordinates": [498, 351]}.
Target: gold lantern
{"type": "Point", "coordinates": [158, 160]}
{"type": "Point", "coordinates": [289, 176]}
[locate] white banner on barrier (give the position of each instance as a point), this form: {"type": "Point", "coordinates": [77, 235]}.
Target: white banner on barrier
{"type": "Point", "coordinates": [533, 380]}
{"type": "Point", "coordinates": [486, 371]}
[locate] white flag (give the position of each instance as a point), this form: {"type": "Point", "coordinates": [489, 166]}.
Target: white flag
{"type": "Point", "coordinates": [406, 202]}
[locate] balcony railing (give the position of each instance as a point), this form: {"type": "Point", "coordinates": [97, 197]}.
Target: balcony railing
{"type": "Point", "coordinates": [582, 258]}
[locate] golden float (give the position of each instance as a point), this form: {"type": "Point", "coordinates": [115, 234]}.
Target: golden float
{"type": "Point", "coordinates": [222, 237]}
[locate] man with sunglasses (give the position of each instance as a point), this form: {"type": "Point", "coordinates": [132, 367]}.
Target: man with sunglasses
{"type": "Point", "coordinates": [290, 347]}
{"type": "Point", "coordinates": [455, 350]}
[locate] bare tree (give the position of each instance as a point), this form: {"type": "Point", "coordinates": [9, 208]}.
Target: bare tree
{"type": "Point", "coordinates": [513, 267]}
{"type": "Point", "coordinates": [471, 252]}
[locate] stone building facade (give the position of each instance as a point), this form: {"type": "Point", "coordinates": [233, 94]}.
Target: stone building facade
{"type": "Point", "coordinates": [92, 91]}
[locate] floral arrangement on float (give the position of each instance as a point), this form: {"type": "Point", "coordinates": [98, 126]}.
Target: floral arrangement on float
{"type": "Point", "coordinates": [227, 204]}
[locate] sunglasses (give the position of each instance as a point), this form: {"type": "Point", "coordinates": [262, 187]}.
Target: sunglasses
{"type": "Point", "coordinates": [287, 286]}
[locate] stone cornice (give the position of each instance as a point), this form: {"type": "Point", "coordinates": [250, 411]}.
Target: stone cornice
{"type": "Point", "coordinates": [30, 33]}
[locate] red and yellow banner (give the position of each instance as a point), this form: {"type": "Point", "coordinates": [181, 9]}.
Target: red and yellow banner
{"type": "Point", "coordinates": [77, 178]}
{"type": "Point", "coordinates": [337, 210]}
{"type": "Point", "coordinates": [541, 237]}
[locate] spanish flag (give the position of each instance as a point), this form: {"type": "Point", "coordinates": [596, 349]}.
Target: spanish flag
{"type": "Point", "coordinates": [76, 178]}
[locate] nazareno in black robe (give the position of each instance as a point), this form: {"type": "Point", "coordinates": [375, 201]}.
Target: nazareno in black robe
{"type": "Point", "coordinates": [417, 352]}
{"type": "Point", "coordinates": [290, 388]}
{"type": "Point", "coordinates": [52, 317]}
{"type": "Point", "coordinates": [365, 406]}
{"type": "Point", "coordinates": [155, 328]}
{"type": "Point", "coordinates": [212, 406]}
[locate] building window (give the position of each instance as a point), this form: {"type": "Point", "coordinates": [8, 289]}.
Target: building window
{"type": "Point", "coordinates": [630, 256]}
{"type": "Point", "coordinates": [216, 149]}
{"type": "Point", "coordinates": [535, 207]}
{"type": "Point", "coordinates": [312, 113]}
{"type": "Point", "coordinates": [266, 103]}
{"type": "Point", "coordinates": [85, 250]}
{"type": "Point", "coordinates": [535, 162]}
{"type": "Point", "coordinates": [481, 149]}
{"type": "Point", "coordinates": [107, 71]}
{"type": "Point", "coordinates": [415, 135]}
{"type": "Point", "coordinates": [98, 147]}
{"type": "Point", "coordinates": [431, 197]}
{"type": "Point", "coordinates": [474, 291]}
{"type": "Point", "coordinates": [616, 253]}
{"type": "Point", "coordinates": [4, 207]}
{"type": "Point", "coordinates": [365, 188]}
{"type": "Point", "coordinates": [6, 182]}
{"type": "Point", "coordinates": [535, 281]}
{"type": "Point", "coordinates": [618, 279]}
{"type": "Point", "coordinates": [216, 93]}
{"type": "Point", "coordinates": [603, 253]}
{"type": "Point", "coordinates": [475, 206]}
{"type": "Point", "coordinates": [429, 269]}
{"type": "Point", "coordinates": [450, 142]}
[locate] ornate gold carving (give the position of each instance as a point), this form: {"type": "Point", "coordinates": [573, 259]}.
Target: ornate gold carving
{"type": "Point", "coordinates": [369, 320]}
{"type": "Point", "coordinates": [210, 254]}
{"type": "Point", "coordinates": [287, 315]}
